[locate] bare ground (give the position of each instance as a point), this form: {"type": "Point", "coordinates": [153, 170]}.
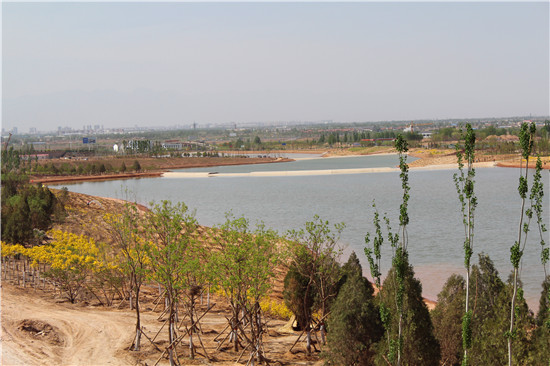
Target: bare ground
{"type": "Point", "coordinates": [39, 328]}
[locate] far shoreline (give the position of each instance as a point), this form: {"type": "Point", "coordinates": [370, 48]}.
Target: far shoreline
{"type": "Point", "coordinates": [442, 161]}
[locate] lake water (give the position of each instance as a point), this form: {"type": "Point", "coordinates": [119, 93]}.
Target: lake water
{"type": "Point", "coordinates": [287, 202]}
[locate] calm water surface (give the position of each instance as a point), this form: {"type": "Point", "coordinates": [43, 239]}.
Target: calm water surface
{"type": "Point", "coordinates": [435, 231]}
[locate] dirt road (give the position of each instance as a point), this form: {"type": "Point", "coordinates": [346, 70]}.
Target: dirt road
{"type": "Point", "coordinates": [36, 331]}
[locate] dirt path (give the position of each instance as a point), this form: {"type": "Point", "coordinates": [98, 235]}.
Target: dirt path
{"type": "Point", "coordinates": [38, 329]}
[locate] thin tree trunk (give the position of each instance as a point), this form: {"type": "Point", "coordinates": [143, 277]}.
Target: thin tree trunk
{"type": "Point", "coordinates": [191, 347]}
{"type": "Point", "coordinates": [137, 339]}
{"type": "Point", "coordinates": [512, 313]}
{"type": "Point", "coordinates": [171, 332]}
{"type": "Point", "coordinates": [512, 309]}
{"type": "Point", "coordinates": [399, 338]}
{"type": "Point", "coordinates": [138, 323]}
{"type": "Point", "coordinates": [308, 341]}
{"type": "Point", "coordinates": [469, 238]}
{"type": "Point", "coordinates": [467, 304]}
{"type": "Point", "coordinates": [236, 328]}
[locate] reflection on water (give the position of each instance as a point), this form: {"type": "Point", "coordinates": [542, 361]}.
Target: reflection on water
{"type": "Point", "coordinates": [435, 231]}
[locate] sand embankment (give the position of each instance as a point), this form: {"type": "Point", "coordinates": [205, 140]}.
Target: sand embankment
{"type": "Point", "coordinates": [296, 173]}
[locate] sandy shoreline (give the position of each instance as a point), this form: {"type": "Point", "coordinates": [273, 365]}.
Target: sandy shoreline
{"type": "Point", "coordinates": [295, 173]}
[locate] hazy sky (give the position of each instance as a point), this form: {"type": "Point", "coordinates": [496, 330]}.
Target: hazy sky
{"type": "Point", "coordinates": [126, 64]}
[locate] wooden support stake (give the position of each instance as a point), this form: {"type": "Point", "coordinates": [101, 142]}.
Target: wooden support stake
{"type": "Point", "coordinates": [202, 345]}
{"type": "Point", "coordinates": [242, 353]}
{"type": "Point", "coordinates": [149, 339]}
{"type": "Point", "coordinates": [157, 302]}
{"type": "Point", "coordinates": [300, 336]}
{"type": "Point", "coordinates": [155, 337]}
{"type": "Point", "coordinates": [216, 339]}
{"type": "Point", "coordinates": [163, 312]}
{"type": "Point", "coordinates": [171, 345]}
{"type": "Point", "coordinates": [222, 342]}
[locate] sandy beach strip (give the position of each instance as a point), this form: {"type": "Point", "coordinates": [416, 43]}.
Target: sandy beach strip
{"type": "Point", "coordinates": [296, 173]}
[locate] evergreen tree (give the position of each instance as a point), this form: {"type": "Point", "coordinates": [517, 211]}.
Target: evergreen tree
{"type": "Point", "coordinates": [419, 347]}
{"type": "Point", "coordinates": [541, 337]}
{"type": "Point", "coordinates": [298, 297]}
{"type": "Point", "coordinates": [16, 226]}
{"type": "Point", "coordinates": [331, 139]}
{"type": "Point", "coordinates": [488, 320]}
{"type": "Point", "coordinates": [136, 166]}
{"type": "Point", "coordinates": [490, 299]}
{"type": "Point", "coordinates": [351, 267]}
{"type": "Point", "coordinates": [354, 324]}
{"type": "Point", "coordinates": [315, 256]}
{"type": "Point", "coordinates": [30, 207]}
{"type": "Point", "coordinates": [446, 318]}
{"type": "Point", "coordinates": [544, 303]}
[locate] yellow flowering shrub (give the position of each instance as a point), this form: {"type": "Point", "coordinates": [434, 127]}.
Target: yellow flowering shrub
{"type": "Point", "coordinates": [9, 250]}
{"type": "Point", "coordinates": [73, 259]}
{"type": "Point", "coordinates": [276, 309]}
{"type": "Point", "coordinates": [67, 251]}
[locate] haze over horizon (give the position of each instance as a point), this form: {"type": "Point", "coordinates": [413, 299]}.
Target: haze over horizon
{"type": "Point", "coordinates": [162, 64]}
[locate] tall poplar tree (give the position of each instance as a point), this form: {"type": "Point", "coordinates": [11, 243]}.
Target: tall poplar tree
{"type": "Point", "coordinates": [526, 141]}
{"type": "Point", "coordinates": [464, 183]}
{"type": "Point", "coordinates": [409, 331]}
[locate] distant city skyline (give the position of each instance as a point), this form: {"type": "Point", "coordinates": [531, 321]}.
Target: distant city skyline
{"type": "Point", "coordinates": [165, 64]}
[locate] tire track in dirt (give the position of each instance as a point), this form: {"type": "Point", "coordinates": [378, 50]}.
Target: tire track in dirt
{"type": "Point", "coordinates": [87, 336]}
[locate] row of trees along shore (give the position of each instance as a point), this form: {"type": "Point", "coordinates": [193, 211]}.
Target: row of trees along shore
{"type": "Point", "coordinates": [478, 320]}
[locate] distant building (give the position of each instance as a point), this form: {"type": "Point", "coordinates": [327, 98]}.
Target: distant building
{"type": "Point", "coordinates": [172, 145]}
{"type": "Point", "coordinates": [34, 157]}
